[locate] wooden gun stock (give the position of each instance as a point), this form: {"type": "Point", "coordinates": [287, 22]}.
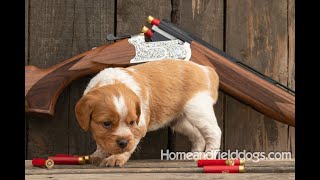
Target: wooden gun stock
{"type": "Point", "coordinates": [246, 86]}
{"type": "Point", "coordinates": [44, 86]}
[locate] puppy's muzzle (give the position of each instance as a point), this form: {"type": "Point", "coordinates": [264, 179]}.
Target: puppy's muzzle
{"type": "Point", "coordinates": [122, 143]}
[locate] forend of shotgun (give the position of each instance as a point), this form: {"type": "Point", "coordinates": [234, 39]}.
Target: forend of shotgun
{"type": "Point", "coordinates": [166, 41]}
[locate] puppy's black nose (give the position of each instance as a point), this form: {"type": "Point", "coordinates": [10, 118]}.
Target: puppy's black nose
{"type": "Point", "coordinates": [122, 143]}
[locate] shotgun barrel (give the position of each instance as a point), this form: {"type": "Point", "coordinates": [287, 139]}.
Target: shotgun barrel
{"type": "Point", "coordinates": [242, 82]}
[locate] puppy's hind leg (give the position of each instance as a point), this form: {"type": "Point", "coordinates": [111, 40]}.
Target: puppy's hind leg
{"type": "Point", "coordinates": [199, 111]}
{"type": "Point", "coordinates": [184, 127]}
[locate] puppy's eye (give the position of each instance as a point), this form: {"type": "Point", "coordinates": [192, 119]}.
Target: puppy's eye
{"type": "Point", "coordinates": [131, 123]}
{"type": "Point", "coordinates": [106, 124]}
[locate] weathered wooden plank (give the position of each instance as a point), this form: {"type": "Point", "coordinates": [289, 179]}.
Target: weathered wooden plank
{"type": "Point", "coordinates": [137, 176]}
{"type": "Point", "coordinates": [156, 163]}
{"type": "Point", "coordinates": [51, 31]}
{"type": "Point", "coordinates": [131, 17]}
{"type": "Point", "coordinates": [93, 20]}
{"type": "Point", "coordinates": [155, 170]}
{"type": "Point", "coordinates": [256, 34]}
{"type": "Point", "coordinates": [291, 33]}
{"type": "Point", "coordinates": [157, 166]}
{"type": "Point", "coordinates": [204, 19]}
{"type": "Point", "coordinates": [161, 168]}
{"type": "Point", "coordinates": [132, 14]}
{"type": "Point", "coordinates": [291, 66]}
{"type": "Point", "coordinates": [26, 31]}
{"type": "Point", "coordinates": [26, 53]}
{"type": "Point", "coordinates": [73, 27]}
{"type": "Point", "coordinates": [50, 41]}
{"type": "Point", "coordinates": [80, 142]}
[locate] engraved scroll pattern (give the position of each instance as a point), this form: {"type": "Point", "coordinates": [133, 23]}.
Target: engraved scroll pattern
{"type": "Point", "coordinates": [152, 51]}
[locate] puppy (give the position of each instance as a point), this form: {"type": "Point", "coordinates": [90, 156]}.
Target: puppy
{"type": "Point", "coordinates": [120, 105]}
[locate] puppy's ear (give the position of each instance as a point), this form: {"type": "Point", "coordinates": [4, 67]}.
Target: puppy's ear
{"type": "Point", "coordinates": [83, 112]}
{"type": "Point", "coordinates": [138, 111]}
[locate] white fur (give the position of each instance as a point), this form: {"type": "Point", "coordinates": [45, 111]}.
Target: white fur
{"type": "Point", "coordinates": [110, 75]}
{"type": "Point", "coordinates": [184, 127]}
{"type": "Point", "coordinates": [199, 112]}
{"type": "Point", "coordinates": [130, 69]}
{"type": "Point", "coordinates": [123, 130]}
{"type": "Point", "coordinates": [206, 72]}
{"type": "Point", "coordinates": [121, 107]}
{"type": "Point", "coordinates": [144, 106]}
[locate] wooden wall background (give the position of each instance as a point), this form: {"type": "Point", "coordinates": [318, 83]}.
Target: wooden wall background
{"type": "Point", "coordinates": [261, 33]}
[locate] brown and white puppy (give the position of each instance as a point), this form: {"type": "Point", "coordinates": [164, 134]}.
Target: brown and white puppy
{"type": "Point", "coordinates": [120, 105]}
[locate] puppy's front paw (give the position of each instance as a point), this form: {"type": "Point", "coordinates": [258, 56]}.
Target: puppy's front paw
{"type": "Point", "coordinates": [115, 160]}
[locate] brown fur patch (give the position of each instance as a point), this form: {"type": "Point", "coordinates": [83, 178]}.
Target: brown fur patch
{"type": "Point", "coordinates": [171, 83]}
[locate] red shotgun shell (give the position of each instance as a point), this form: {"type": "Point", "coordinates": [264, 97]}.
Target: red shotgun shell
{"type": "Point", "coordinates": [147, 31]}
{"type": "Point", "coordinates": [222, 162]}
{"type": "Point", "coordinates": [68, 160]}
{"type": "Point", "coordinates": [153, 21]}
{"type": "Point", "coordinates": [40, 162]}
{"type": "Point", "coordinates": [223, 169]}
{"type": "Point", "coordinates": [86, 158]}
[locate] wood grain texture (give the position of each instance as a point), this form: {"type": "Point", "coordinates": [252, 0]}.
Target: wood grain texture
{"type": "Point", "coordinates": [26, 62]}
{"type": "Point", "coordinates": [26, 32]}
{"type": "Point", "coordinates": [157, 163]}
{"type": "Point", "coordinates": [60, 30]}
{"type": "Point", "coordinates": [80, 142]}
{"type": "Point", "coordinates": [291, 63]}
{"type": "Point", "coordinates": [291, 48]}
{"type": "Point", "coordinates": [131, 17]}
{"type": "Point", "coordinates": [132, 14]}
{"type": "Point", "coordinates": [161, 169]}
{"type": "Point", "coordinates": [92, 21]}
{"type": "Point", "coordinates": [256, 33]}
{"type": "Point", "coordinates": [173, 176]}
{"type": "Point", "coordinates": [50, 39]}
{"type": "Point", "coordinates": [205, 20]}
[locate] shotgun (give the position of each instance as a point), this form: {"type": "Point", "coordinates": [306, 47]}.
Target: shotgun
{"type": "Point", "coordinates": [167, 41]}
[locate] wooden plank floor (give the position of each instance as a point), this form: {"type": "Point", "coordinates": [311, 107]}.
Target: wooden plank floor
{"type": "Point", "coordinates": [157, 169]}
